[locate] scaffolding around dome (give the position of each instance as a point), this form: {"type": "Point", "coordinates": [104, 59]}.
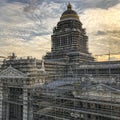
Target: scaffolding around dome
{"type": "Point", "coordinates": [69, 39]}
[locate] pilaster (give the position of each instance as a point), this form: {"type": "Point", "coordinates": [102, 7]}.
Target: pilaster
{"type": "Point", "coordinates": [1, 98]}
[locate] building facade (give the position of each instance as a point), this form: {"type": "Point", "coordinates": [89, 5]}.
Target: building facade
{"type": "Point", "coordinates": [17, 76]}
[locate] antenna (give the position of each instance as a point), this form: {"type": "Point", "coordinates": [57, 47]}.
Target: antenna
{"type": "Point", "coordinates": [109, 56]}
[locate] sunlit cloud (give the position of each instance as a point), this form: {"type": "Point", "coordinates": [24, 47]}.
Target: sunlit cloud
{"type": "Point", "coordinates": [103, 28]}
{"type": "Point", "coordinates": [26, 25]}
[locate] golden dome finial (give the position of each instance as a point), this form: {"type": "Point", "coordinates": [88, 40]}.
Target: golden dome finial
{"type": "Point", "coordinates": [69, 6]}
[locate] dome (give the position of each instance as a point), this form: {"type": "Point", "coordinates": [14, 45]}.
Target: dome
{"type": "Point", "coordinates": [69, 13]}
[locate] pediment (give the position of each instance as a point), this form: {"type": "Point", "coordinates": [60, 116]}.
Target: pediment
{"type": "Point", "coordinates": [102, 87]}
{"type": "Point", "coordinates": [101, 90]}
{"type": "Point", "coordinates": [11, 72]}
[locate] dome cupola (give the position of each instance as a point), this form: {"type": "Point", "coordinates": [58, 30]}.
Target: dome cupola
{"type": "Point", "coordinates": [69, 13]}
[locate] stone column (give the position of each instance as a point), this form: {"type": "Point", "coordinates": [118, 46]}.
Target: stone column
{"type": "Point", "coordinates": [1, 98]}
{"type": "Point", "coordinates": [30, 112]}
{"type": "Point", "coordinates": [25, 102]}
{"type": "Point", "coordinates": [7, 111]}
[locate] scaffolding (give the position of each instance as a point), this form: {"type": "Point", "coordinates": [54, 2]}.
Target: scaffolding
{"type": "Point", "coordinates": [82, 89]}
{"type": "Point", "coordinates": [79, 96]}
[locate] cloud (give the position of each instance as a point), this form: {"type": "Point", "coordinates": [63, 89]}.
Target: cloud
{"type": "Point", "coordinates": [89, 4]}
{"type": "Point", "coordinates": [25, 33]}
{"type": "Point", "coordinates": [101, 33]}
{"type": "Point", "coordinates": [26, 26]}
{"type": "Point", "coordinates": [17, 30]}
{"type": "Point", "coordinates": [103, 29]}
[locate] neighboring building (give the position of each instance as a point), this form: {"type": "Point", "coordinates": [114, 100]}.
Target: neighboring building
{"type": "Point", "coordinates": [18, 77]}
{"type": "Point", "coordinates": [67, 85]}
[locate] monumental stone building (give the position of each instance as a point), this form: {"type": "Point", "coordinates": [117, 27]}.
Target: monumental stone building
{"type": "Point", "coordinates": [69, 39]}
{"type": "Point", "coordinates": [68, 84]}
{"type": "Point", "coordinates": [88, 90]}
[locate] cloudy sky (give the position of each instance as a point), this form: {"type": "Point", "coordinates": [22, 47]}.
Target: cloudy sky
{"type": "Point", "coordinates": [26, 25]}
